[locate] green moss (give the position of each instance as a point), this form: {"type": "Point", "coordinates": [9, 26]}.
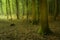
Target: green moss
{"type": "Point", "coordinates": [44, 32]}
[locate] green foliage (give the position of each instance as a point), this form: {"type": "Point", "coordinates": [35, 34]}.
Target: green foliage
{"type": "Point", "coordinates": [25, 7]}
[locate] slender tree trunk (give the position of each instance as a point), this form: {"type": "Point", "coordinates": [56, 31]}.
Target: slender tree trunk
{"type": "Point", "coordinates": [9, 9]}
{"type": "Point", "coordinates": [44, 28]}
{"type": "Point", "coordinates": [1, 7]}
{"type": "Point", "coordinates": [56, 12]}
{"type": "Point", "coordinates": [38, 10]}
{"type": "Point", "coordinates": [33, 12]}
{"type": "Point", "coordinates": [13, 11]}
{"type": "Point", "coordinates": [17, 7]}
{"type": "Point", "coordinates": [27, 9]}
{"type": "Point", "coordinates": [23, 7]}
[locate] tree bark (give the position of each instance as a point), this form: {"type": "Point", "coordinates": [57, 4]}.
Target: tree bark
{"type": "Point", "coordinates": [44, 28]}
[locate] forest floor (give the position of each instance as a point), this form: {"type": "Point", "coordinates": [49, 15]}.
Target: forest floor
{"type": "Point", "coordinates": [24, 31]}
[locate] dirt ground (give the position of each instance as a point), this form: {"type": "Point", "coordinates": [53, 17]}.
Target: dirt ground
{"type": "Point", "coordinates": [25, 31]}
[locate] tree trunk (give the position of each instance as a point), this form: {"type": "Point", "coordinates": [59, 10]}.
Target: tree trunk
{"type": "Point", "coordinates": [17, 7]}
{"type": "Point", "coordinates": [23, 7]}
{"type": "Point", "coordinates": [44, 28]}
{"type": "Point", "coordinates": [27, 9]}
{"type": "Point", "coordinates": [7, 9]}
{"type": "Point", "coordinates": [1, 6]}
{"type": "Point", "coordinates": [38, 11]}
{"type": "Point", "coordinates": [56, 12]}
{"type": "Point", "coordinates": [34, 21]}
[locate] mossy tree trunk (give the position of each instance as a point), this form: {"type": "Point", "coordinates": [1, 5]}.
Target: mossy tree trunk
{"type": "Point", "coordinates": [44, 28]}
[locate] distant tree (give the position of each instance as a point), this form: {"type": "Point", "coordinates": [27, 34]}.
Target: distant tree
{"type": "Point", "coordinates": [56, 12]}
{"type": "Point", "coordinates": [34, 21]}
{"type": "Point", "coordinates": [38, 8]}
{"type": "Point", "coordinates": [1, 6]}
{"type": "Point", "coordinates": [27, 8]}
{"type": "Point", "coordinates": [7, 9]}
{"type": "Point", "coordinates": [9, 5]}
{"type": "Point", "coordinates": [23, 7]}
{"type": "Point", "coordinates": [44, 28]}
{"type": "Point", "coordinates": [17, 9]}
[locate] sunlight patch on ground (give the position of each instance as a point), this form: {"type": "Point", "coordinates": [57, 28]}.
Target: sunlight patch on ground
{"type": "Point", "coordinates": [14, 17]}
{"type": "Point", "coordinates": [3, 17]}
